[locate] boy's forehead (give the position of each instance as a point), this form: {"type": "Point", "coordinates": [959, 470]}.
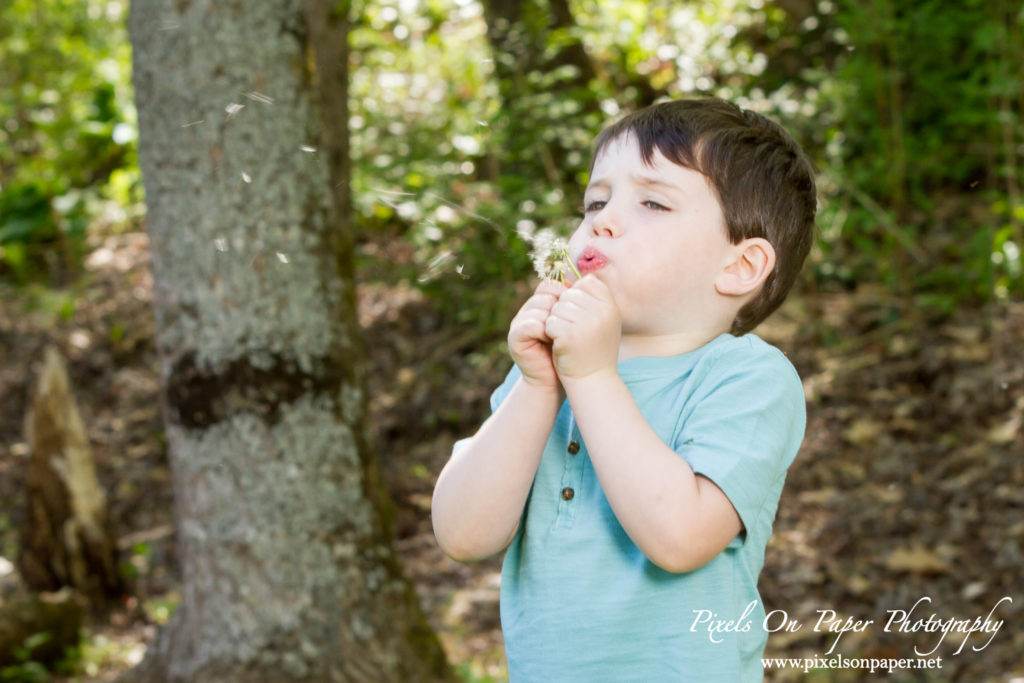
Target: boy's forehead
{"type": "Point", "coordinates": [623, 152]}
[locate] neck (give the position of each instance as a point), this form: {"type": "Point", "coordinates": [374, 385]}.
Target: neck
{"type": "Point", "coordinates": [633, 346]}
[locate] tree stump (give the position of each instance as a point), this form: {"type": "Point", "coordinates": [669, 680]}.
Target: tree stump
{"type": "Point", "coordinates": [67, 539]}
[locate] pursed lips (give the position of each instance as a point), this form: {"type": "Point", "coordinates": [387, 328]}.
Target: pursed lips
{"type": "Point", "coordinates": [590, 260]}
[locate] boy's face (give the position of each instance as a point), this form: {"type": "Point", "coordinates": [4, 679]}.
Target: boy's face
{"type": "Point", "coordinates": [656, 236]}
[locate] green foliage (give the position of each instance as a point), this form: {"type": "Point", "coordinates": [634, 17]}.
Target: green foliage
{"type": "Point", "coordinates": [465, 133]}
{"type": "Point", "coordinates": [66, 124]}
{"type": "Point", "coordinates": [27, 669]}
{"type": "Point", "coordinates": [927, 105]}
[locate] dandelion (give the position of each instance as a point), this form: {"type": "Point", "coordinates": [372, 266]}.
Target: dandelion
{"type": "Point", "coordinates": [550, 256]}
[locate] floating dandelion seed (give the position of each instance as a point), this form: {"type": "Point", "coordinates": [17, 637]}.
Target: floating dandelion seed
{"type": "Point", "coordinates": [550, 256]}
{"type": "Point", "coordinates": [246, 177]}
{"type": "Point", "coordinates": [220, 244]}
{"type": "Point", "coordinates": [259, 97]}
{"type": "Point", "coordinates": [436, 266]}
{"type": "Point", "coordinates": [233, 109]}
{"type": "Point", "coordinates": [282, 257]}
{"type": "Point", "coordinates": [308, 148]}
{"type": "Point", "coordinates": [193, 123]}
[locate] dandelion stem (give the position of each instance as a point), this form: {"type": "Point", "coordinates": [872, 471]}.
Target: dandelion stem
{"type": "Point", "coordinates": [565, 255]}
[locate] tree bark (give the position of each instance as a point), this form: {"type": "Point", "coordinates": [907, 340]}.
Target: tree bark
{"type": "Point", "coordinates": [283, 533]}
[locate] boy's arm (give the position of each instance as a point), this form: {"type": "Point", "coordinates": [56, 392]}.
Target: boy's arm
{"type": "Point", "coordinates": [480, 494]}
{"type": "Point", "coordinates": [678, 519]}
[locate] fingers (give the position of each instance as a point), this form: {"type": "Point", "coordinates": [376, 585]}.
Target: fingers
{"type": "Point", "coordinates": [588, 303]}
{"type": "Point", "coordinates": [544, 297]}
{"type": "Point", "coordinates": [550, 287]}
{"type": "Point", "coordinates": [592, 285]}
{"type": "Point", "coordinates": [587, 295]}
{"type": "Point", "coordinates": [529, 324]}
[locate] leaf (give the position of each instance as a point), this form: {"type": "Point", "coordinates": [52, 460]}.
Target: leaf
{"type": "Point", "coordinates": [863, 432]}
{"type": "Point", "coordinates": [1006, 432]}
{"type": "Point", "coordinates": [916, 559]}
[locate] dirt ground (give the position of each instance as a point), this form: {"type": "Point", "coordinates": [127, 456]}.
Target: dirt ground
{"type": "Point", "coordinates": [909, 485]}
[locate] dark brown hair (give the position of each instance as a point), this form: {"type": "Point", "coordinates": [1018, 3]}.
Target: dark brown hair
{"type": "Point", "coordinates": [764, 182]}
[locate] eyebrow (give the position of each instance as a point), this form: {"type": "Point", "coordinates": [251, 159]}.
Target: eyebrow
{"type": "Point", "coordinates": [649, 181]}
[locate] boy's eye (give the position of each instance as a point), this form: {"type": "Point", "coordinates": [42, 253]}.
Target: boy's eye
{"type": "Point", "coordinates": [651, 204]}
{"type": "Point", "coordinates": [596, 205]}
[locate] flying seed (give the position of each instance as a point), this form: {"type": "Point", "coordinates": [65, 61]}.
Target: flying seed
{"type": "Point", "coordinates": [259, 97]}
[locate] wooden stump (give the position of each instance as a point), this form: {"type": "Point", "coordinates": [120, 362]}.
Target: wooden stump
{"type": "Point", "coordinates": [67, 540]}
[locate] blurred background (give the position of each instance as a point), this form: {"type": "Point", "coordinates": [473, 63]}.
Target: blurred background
{"type": "Point", "coordinates": [469, 129]}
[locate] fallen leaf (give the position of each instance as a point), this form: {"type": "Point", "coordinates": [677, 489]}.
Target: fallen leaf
{"type": "Point", "coordinates": [1005, 432]}
{"type": "Point", "coordinates": [916, 559]}
{"type": "Point", "coordinates": [863, 432]}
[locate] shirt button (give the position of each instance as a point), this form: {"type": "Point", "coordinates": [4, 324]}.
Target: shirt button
{"type": "Point", "coordinates": [567, 493]}
{"type": "Point", "coordinates": [574, 447]}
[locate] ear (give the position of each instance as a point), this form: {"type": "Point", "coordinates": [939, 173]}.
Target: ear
{"type": "Point", "coordinates": [753, 260]}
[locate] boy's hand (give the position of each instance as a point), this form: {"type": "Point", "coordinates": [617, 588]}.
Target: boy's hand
{"type": "Point", "coordinates": [528, 343]}
{"type": "Point", "coordinates": [585, 328]}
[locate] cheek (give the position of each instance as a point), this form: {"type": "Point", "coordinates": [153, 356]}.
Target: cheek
{"type": "Point", "coordinates": [578, 238]}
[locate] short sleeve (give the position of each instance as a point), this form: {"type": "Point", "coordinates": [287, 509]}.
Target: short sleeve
{"type": "Point", "coordinates": [505, 388]}
{"type": "Point", "coordinates": [497, 396]}
{"type": "Point", "coordinates": [745, 429]}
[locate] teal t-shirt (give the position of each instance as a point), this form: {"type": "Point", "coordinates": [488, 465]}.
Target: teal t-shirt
{"type": "Point", "coordinates": [580, 602]}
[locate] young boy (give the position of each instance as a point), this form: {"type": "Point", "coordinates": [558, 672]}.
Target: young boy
{"type": "Point", "coordinates": [637, 450]}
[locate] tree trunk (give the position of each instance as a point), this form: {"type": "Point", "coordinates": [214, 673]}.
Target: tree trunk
{"type": "Point", "coordinates": [283, 536]}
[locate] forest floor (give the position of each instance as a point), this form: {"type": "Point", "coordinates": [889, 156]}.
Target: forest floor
{"type": "Point", "coordinates": [909, 485]}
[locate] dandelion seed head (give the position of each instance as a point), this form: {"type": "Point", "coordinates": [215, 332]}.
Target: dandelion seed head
{"type": "Point", "coordinates": [549, 253]}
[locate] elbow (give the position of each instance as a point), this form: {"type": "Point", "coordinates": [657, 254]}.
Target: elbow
{"type": "Point", "coordinates": [461, 549]}
{"type": "Point", "coordinates": [682, 556]}
{"type": "Point", "coordinates": [463, 545]}
{"type": "Point", "coordinates": [679, 563]}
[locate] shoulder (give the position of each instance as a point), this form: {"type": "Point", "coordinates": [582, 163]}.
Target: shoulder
{"type": "Point", "coordinates": [748, 354]}
{"type": "Point", "coordinates": [750, 364]}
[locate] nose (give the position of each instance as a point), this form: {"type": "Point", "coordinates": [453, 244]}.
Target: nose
{"type": "Point", "coordinates": [605, 223]}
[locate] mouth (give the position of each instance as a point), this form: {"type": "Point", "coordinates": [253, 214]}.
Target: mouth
{"type": "Point", "coordinates": [590, 260]}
